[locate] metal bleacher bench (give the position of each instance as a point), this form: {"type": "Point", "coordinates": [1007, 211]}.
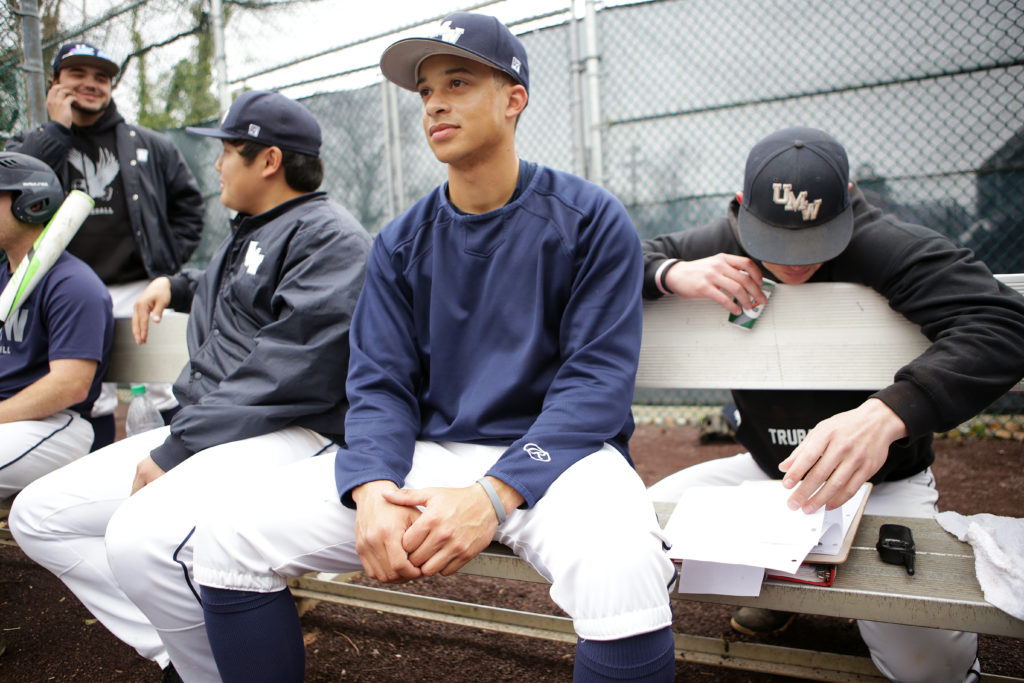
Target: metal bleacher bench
{"type": "Point", "coordinates": [814, 336]}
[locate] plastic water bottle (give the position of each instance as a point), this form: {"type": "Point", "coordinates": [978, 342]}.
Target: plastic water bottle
{"type": "Point", "coordinates": [142, 414]}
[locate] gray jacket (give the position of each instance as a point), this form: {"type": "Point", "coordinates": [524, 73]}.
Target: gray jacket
{"type": "Point", "coordinates": [268, 330]}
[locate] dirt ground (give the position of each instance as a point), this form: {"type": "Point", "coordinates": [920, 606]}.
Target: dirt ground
{"type": "Point", "coordinates": [51, 637]}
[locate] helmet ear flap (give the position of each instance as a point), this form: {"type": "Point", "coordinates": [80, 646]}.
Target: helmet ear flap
{"type": "Point", "coordinates": [35, 208]}
{"type": "Point", "coordinates": [36, 193]}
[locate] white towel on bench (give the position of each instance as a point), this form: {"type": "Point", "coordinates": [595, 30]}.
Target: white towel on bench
{"type": "Point", "coordinates": [998, 544]}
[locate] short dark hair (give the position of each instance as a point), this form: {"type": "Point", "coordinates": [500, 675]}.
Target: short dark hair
{"type": "Point", "coordinates": [302, 172]}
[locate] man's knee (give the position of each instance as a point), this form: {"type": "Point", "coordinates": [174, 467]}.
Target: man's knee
{"type": "Point", "coordinates": [913, 654]}
{"type": "Point", "coordinates": [29, 512]}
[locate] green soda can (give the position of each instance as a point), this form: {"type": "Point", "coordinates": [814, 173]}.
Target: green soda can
{"type": "Point", "coordinates": [749, 316]}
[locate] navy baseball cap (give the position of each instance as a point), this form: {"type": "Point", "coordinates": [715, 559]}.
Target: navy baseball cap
{"type": "Point", "coordinates": [71, 54]}
{"type": "Point", "coordinates": [796, 208]}
{"type": "Point", "coordinates": [479, 37]}
{"type": "Point", "coordinates": [270, 119]}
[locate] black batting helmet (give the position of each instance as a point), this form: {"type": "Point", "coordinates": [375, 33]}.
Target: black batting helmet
{"type": "Point", "coordinates": [36, 193]}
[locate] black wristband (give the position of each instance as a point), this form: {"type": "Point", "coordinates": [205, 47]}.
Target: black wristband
{"type": "Point", "coordinates": [665, 267]}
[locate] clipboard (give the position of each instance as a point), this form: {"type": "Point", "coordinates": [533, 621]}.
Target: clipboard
{"type": "Point", "coordinates": [810, 574]}
{"type": "Point", "coordinates": [757, 531]}
{"type": "Point", "coordinates": [851, 531]}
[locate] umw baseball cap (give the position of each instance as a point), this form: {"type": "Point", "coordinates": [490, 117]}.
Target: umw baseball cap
{"type": "Point", "coordinates": [479, 37]}
{"type": "Point", "coordinates": [796, 206]}
{"type": "Point", "coordinates": [270, 119]}
{"type": "Point", "coordinates": [71, 54]}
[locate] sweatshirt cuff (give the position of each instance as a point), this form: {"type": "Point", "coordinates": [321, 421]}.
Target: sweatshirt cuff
{"type": "Point", "coordinates": [650, 288]}
{"type": "Point", "coordinates": [179, 292]}
{"type": "Point", "coordinates": [170, 453]}
{"type": "Point", "coordinates": [58, 130]}
{"type": "Point", "coordinates": [911, 405]}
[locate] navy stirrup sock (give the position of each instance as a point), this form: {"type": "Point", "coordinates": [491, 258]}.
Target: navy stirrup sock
{"type": "Point", "coordinates": [254, 636]}
{"type": "Point", "coordinates": [646, 657]}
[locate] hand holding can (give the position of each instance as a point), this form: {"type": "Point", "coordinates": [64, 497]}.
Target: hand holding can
{"type": "Point", "coordinates": [750, 314]}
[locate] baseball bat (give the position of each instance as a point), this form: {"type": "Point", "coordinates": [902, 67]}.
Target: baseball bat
{"type": "Point", "coordinates": [45, 251]}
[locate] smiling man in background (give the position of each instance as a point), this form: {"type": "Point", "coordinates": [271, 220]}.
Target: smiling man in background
{"type": "Point", "coordinates": [148, 215]}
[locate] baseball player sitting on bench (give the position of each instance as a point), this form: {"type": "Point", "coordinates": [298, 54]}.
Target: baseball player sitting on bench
{"type": "Point", "coordinates": [799, 219]}
{"type": "Point", "coordinates": [494, 349]}
{"type": "Point", "coordinates": [264, 386]}
{"type": "Point", "coordinates": [55, 347]}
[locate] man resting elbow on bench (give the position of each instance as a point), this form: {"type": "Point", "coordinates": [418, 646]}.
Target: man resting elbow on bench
{"type": "Point", "coordinates": [799, 219]}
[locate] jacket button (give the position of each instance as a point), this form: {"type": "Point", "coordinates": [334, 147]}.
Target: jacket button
{"type": "Point", "coordinates": [135, 197]}
{"type": "Point", "coordinates": [132, 162]}
{"type": "Point", "coordinates": [131, 133]}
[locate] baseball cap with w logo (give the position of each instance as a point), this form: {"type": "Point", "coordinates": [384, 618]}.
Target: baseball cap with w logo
{"type": "Point", "coordinates": [478, 37]}
{"type": "Point", "coordinates": [796, 200]}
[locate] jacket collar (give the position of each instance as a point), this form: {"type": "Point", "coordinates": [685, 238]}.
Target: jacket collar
{"type": "Point", "coordinates": [246, 223]}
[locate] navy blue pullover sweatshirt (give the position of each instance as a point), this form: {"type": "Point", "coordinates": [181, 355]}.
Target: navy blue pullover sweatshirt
{"type": "Point", "coordinates": [518, 327]}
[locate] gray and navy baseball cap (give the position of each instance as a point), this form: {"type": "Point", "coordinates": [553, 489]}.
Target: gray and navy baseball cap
{"type": "Point", "coordinates": [796, 206]}
{"type": "Point", "coordinates": [479, 37]}
{"type": "Point", "coordinates": [71, 54]}
{"type": "Point", "coordinates": [270, 119]}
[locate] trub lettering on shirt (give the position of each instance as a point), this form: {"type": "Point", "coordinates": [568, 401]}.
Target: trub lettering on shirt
{"type": "Point", "coordinates": [786, 437]}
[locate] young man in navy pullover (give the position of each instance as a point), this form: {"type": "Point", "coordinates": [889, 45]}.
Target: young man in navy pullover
{"type": "Point", "coordinates": [494, 349]}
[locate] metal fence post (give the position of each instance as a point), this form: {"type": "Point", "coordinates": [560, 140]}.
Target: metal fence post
{"type": "Point", "coordinates": [593, 61]}
{"type": "Point", "coordinates": [32, 63]}
{"type": "Point", "coordinates": [220, 69]}
{"type": "Point", "coordinates": [579, 118]}
{"type": "Point", "coordinates": [393, 148]}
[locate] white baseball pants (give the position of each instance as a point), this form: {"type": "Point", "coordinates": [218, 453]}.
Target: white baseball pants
{"type": "Point", "coordinates": [129, 558]}
{"type": "Point", "coordinates": [594, 535]}
{"type": "Point", "coordinates": [908, 654]}
{"type": "Point", "coordinates": [30, 449]}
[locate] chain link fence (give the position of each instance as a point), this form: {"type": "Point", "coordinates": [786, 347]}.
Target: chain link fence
{"type": "Point", "coordinates": [659, 101]}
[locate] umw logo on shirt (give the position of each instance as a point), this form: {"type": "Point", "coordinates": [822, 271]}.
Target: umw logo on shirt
{"type": "Point", "coordinates": [782, 193]}
{"type": "Point", "coordinates": [14, 328]}
{"type": "Point", "coordinates": [97, 176]}
{"type": "Point", "coordinates": [449, 33]}
{"type": "Point", "coordinates": [536, 452]}
{"type": "Point", "coordinates": [253, 258]}
{"type": "Point", "coordinates": [786, 437]}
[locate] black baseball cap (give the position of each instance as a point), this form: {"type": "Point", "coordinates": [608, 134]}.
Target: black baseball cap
{"type": "Point", "coordinates": [71, 54]}
{"type": "Point", "coordinates": [270, 119]}
{"type": "Point", "coordinates": [479, 37]}
{"type": "Point", "coordinates": [796, 206]}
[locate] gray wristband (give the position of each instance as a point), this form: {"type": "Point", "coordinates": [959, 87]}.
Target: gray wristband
{"type": "Point", "coordinates": [499, 509]}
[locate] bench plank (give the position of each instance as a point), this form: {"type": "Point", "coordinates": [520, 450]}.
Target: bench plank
{"type": "Point", "coordinates": [805, 334]}
{"type": "Point", "coordinates": [943, 593]}
{"type": "Point", "coordinates": [783, 661]}
{"type": "Point", "coordinates": [160, 359]}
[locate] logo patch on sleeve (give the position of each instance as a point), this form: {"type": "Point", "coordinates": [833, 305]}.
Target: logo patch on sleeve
{"type": "Point", "coordinates": [536, 452]}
